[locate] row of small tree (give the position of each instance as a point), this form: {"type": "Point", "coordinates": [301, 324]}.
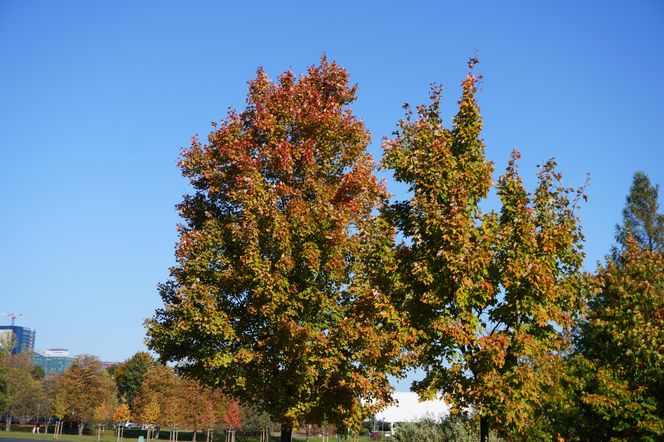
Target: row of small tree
{"type": "Point", "coordinates": [139, 389]}
{"type": "Point", "coordinates": [301, 287]}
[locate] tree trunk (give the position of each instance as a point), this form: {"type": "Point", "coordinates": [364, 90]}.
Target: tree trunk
{"type": "Point", "coordinates": [8, 422]}
{"type": "Point", "coordinates": [286, 433]}
{"type": "Point", "coordinates": [484, 429]}
{"type": "Point", "coordinates": [81, 425]}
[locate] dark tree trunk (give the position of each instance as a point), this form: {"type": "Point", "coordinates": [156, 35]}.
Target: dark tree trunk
{"type": "Point", "coordinates": [484, 429]}
{"type": "Point", "coordinates": [286, 433]}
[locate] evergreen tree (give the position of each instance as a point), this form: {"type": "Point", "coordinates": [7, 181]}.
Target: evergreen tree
{"type": "Point", "coordinates": [617, 375]}
{"type": "Point", "coordinates": [641, 219]}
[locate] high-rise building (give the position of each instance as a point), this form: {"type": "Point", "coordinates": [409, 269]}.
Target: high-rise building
{"type": "Point", "coordinates": [23, 338]}
{"type": "Point", "coordinates": [53, 360]}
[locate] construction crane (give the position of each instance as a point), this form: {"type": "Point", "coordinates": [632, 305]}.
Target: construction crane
{"type": "Point", "coordinates": [12, 315]}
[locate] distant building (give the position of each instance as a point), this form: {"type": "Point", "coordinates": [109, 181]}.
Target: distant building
{"type": "Point", "coordinates": [408, 408]}
{"type": "Point", "coordinates": [23, 338]}
{"type": "Point", "coordinates": [106, 365]}
{"type": "Point", "coordinates": [53, 360]}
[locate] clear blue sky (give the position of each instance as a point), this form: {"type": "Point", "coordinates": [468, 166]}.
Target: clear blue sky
{"type": "Point", "coordinates": [96, 99]}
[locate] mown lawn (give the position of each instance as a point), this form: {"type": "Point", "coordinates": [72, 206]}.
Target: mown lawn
{"type": "Point", "coordinates": [109, 436]}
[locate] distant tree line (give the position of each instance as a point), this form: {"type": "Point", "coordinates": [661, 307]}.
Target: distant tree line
{"type": "Point", "coordinates": [138, 389]}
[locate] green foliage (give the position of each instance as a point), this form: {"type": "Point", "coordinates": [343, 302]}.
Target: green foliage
{"type": "Point", "coordinates": [641, 219]}
{"type": "Point", "coordinates": [611, 386]}
{"type": "Point", "coordinates": [129, 375]}
{"type": "Point", "coordinates": [277, 295]}
{"type": "Point", "coordinates": [493, 295]}
{"type": "Point", "coordinates": [38, 373]}
{"type": "Point", "coordinates": [4, 391]}
{"type": "Point", "coordinates": [451, 428]}
{"type": "Point", "coordinates": [425, 430]}
{"type": "Point", "coordinates": [22, 392]}
{"type": "Point", "coordinates": [621, 366]}
{"type": "Point", "coordinates": [255, 420]}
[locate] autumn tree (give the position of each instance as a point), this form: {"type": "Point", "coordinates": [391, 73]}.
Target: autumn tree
{"type": "Point", "coordinates": [162, 390]}
{"type": "Point", "coordinates": [618, 369]}
{"type": "Point", "coordinates": [233, 415]}
{"type": "Point", "coordinates": [276, 296]}
{"type": "Point", "coordinates": [492, 294]}
{"type": "Point", "coordinates": [23, 391]}
{"type": "Point", "coordinates": [83, 387]}
{"type": "Point", "coordinates": [200, 409]}
{"type": "Point", "coordinates": [129, 375]}
{"type": "Point", "coordinates": [121, 413]}
{"type": "Point", "coordinates": [103, 414]}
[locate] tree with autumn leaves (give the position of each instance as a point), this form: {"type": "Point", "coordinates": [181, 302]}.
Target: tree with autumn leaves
{"type": "Point", "coordinates": [290, 293]}
{"type": "Point", "coordinates": [492, 294]}
{"type": "Point", "coordinates": [167, 400]}
{"type": "Point", "coordinates": [277, 295]}
{"type": "Point", "coordinates": [83, 389]}
{"type": "Point", "coordinates": [612, 383]}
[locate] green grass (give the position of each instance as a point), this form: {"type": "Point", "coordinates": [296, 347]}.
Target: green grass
{"type": "Point", "coordinates": [109, 436]}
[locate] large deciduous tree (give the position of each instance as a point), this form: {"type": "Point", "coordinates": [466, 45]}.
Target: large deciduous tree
{"type": "Point", "coordinates": [493, 294]}
{"type": "Point", "coordinates": [276, 296]}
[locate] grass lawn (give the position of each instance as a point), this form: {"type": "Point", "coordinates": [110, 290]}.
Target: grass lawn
{"type": "Point", "coordinates": [109, 436]}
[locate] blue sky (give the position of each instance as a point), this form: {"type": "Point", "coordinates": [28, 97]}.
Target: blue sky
{"type": "Point", "coordinates": [97, 98]}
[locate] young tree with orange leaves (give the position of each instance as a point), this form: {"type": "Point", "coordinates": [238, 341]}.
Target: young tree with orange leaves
{"type": "Point", "coordinates": [276, 296]}
{"type": "Point", "coordinates": [493, 294]}
{"type": "Point", "coordinates": [83, 387]}
{"type": "Point", "coordinates": [161, 391]}
{"type": "Point", "coordinates": [233, 415]}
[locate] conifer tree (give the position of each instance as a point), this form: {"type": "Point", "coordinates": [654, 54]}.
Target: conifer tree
{"type": "Point", "coordinates": [618, 369]}
{"type": "Point", "coordinates": [641, 219]}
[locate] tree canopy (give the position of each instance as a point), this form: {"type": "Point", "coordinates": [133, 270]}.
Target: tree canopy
{"type": "Point", "coordinates": [617, 371]}
{"type": "Point", "coordinates": [129, 375]}
{"type": "Point", "coordinates": [492, 294]}
{"type": "Point", "coordinates": [84, 387]}
{"type": "Point", "coordinates": [641, 219]}
{"type": "Point", "coordinates": [276, 294]}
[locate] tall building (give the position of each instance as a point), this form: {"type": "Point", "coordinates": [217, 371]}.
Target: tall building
{"type": "Point", "coordinates": [23, 338]}
{"type": "Point", "coordinates": [53, 360]}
